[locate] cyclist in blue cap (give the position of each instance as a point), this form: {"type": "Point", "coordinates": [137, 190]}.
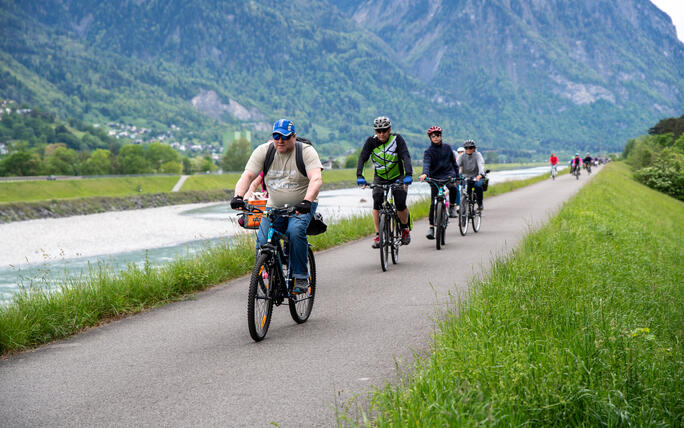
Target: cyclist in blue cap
{"type": "Point", "coordinates": [281, 161]}
{"type": "Point", "coordinates": [392, 163]}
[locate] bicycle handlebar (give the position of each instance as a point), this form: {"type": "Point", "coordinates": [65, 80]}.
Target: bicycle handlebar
{"type": "Point", "coordinates": [441, 182]}
{"type": "Point", "coordinates": [276, 212]}
{"type": "Point", "coordinates": [386, 186]}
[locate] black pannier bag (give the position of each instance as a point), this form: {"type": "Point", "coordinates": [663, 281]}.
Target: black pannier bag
{"type": "Point", "coordinates": [317, 225]}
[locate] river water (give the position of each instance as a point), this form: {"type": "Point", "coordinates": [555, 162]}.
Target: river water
{"type": "Point", "coordinates": [42, 253]}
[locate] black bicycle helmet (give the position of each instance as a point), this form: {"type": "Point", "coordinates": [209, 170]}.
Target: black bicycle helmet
{"type": "Point", "coordinates": [469, 144]}
{"type": "Point", "coordinates": [382, 122]}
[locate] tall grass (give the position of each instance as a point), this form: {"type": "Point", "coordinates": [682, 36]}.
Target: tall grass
{"type": "Point", "coordinates": [582, 326]}
{"type": "Point", "coordinates": [35, 316]}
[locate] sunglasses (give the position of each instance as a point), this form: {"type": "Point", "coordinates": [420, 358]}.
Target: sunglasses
{"type": "Point", "coordinates": [382, 131]}
{"type": "Point", "coordinates": [437, 134]}
{"type": "Point", "coordinates": [279, 136]}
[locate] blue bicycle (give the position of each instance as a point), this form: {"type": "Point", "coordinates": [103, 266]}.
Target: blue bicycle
{"type": "Point", "coordinates": [441, 215]}
{"type": "Point", "coordinates": [271, 281]}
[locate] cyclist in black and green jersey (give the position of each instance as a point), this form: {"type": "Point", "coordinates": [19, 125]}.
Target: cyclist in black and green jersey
{"type": "Point", "coordinates": [392, 163]}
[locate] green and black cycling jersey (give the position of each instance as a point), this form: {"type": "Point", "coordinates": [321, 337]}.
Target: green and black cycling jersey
{"type": "Point", "coordinates": [391, 159]}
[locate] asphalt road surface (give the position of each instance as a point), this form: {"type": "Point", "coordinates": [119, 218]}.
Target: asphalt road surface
{"type": "Point", "coordinates": [193, 363]}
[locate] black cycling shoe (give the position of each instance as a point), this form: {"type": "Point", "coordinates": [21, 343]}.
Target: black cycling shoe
{"type": "Point", "coordinates": [431, 233]}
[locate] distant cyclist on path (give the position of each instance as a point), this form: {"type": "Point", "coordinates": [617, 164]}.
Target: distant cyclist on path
{"type": "Point", "coordinates": [286, 185]}
{"type": "Point", "coordinates": [553, 160]}
{"type": "Point", "coordinates": [575, 163]}
{"type": "Point", "coordinates": [439, 162]}
{"type": "Point", "coordinates": [392, 163]}
{"type": "Point", "coordinates": [472, 166]}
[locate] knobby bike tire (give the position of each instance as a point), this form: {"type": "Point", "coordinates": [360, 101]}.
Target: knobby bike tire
{"type": "Point", "coordinates": [396, 240]}
{"type": "Point", "coordinates": [384, 241]}
{"type": "Point", "coordinates": [439, 225]}
{"type": "Point", "coordinates": [463, 216]}
{"type": "Point", "coordinates": [259, 303]}
{"type": "Point", "coordinates": [302, 304]}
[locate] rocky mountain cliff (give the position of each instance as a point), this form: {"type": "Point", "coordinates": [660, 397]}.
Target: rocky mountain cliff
{"type": "Point", "coordinates": [535, 64]}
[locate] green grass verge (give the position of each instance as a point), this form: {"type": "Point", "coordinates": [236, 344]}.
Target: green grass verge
{"type": "Point", "coordinates": [34, 317]}
{"type": "Point", "coordinates": [582, 326]}
{"type": "Point", "coordinates": [211, 181]}
{"type": "Point", "coordinates": [26, 191]}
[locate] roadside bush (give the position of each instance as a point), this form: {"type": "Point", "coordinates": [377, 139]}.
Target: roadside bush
{"type": "Point", "coordinates": [665, 174]}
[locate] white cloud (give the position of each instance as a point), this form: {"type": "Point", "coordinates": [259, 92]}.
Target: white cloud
{"type": "Point", "coordinates": [674, 8]}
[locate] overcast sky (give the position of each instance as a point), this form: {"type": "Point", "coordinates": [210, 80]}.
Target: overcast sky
{"type": "Point", "coordinates": [674, 8]}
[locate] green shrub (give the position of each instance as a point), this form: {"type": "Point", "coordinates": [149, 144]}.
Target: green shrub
{"type": "Point", "coordinates": [665, 174]}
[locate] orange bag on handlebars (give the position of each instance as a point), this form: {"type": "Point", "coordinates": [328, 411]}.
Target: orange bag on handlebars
{"type": "Point", "coordinates": [252, 220]}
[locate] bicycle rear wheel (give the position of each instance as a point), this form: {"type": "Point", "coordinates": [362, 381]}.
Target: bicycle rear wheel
{"type": "Point", "coordinates": [301, 304]}
{"type": "Point", "coordinates": [259, 298]}
{"type": "Point", "coordinates": [385, 240]}
{"type": "Point", "coordinates": [439, 224]}
{"type": "Point", "coordinates": [396, 240]}
{"type": "Point", "coordinates": [463, 216]}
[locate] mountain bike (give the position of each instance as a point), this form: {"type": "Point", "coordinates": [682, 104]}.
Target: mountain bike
{"type": "Point", "coordinates": [441, 215]}
{"type": "Point", "coordinates": [271, 282]}
{"type": "Point", "coordinates": [576, 172]}
{"type": "Point", "coordinates": [389, 226]}
{"type": "Point", "coordinates": [468, 212]}
{"type": "Point", "coordinates": [587, 166]}
{"type": "Point", "coordinates": [554, 172]}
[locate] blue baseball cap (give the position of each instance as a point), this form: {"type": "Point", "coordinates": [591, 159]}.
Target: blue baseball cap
{"type": "Point", "coordinates": [284, 127]}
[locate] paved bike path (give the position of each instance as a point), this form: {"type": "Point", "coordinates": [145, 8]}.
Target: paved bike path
{"type": "Point", "coordinates": [193, 363]}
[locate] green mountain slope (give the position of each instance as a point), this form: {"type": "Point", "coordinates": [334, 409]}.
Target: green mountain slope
{"type": "Point", "coordinates": [518, 78]}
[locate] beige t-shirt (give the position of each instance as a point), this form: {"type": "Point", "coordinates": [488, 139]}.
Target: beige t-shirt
{"type": "Point", "coordinates": [285, 184]}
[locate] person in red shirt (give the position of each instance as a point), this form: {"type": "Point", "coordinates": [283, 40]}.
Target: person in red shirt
{"type": "Point", "coordinates": [553, 160]}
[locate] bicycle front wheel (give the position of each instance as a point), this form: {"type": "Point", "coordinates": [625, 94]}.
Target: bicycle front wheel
{"type": "Point", "coordinates": [463, 217]}
{"type": "Point", "coordinates": [301, 304]}
{"type": "Point", "coordinates": [477, 220]}
{"type": "Point", "coordinates": [445, 223]}
{"type": "Point", "coordinates": [385, 240]}
{"type": "Point", "coordinates": [259, 300]}
{"type": "Point", "coordinates": [396, 240]}
{"type": "Point", "coordinates": [439, 224]}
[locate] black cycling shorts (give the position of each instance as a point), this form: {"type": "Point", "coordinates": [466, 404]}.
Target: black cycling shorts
{"type": "Point", "coordinates": [399, 196]}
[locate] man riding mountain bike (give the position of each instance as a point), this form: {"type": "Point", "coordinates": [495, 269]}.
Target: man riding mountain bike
{"type": "Point", "coordinates": [472, 166]}
{"type": "Point", "coordinates": [392, 164]}
{"type": "Point", "coordinates": [286, 185]}
{"type": "Point", "coordinates": [439, 162]}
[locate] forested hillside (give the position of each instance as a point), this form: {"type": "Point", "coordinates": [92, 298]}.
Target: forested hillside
{"type": "Point", "coordinates": [520, 79]}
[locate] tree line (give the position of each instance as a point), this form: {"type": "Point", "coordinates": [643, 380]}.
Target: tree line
{"type": "Point", "coordinates": [35, 143]}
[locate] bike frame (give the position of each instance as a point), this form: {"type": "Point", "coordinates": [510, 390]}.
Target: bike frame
{"type": "Point", "coordinates": [442, 191]}
{"type": "Point", "coordinates": [388, 207]}
{"type": "Point", "coordinates": [274, 247]}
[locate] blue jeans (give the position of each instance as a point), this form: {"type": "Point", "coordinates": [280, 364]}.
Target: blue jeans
{"type": "Point", "coordinates": [295, 229]}
{"type": "Point", "coordinates": [477, 184]}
